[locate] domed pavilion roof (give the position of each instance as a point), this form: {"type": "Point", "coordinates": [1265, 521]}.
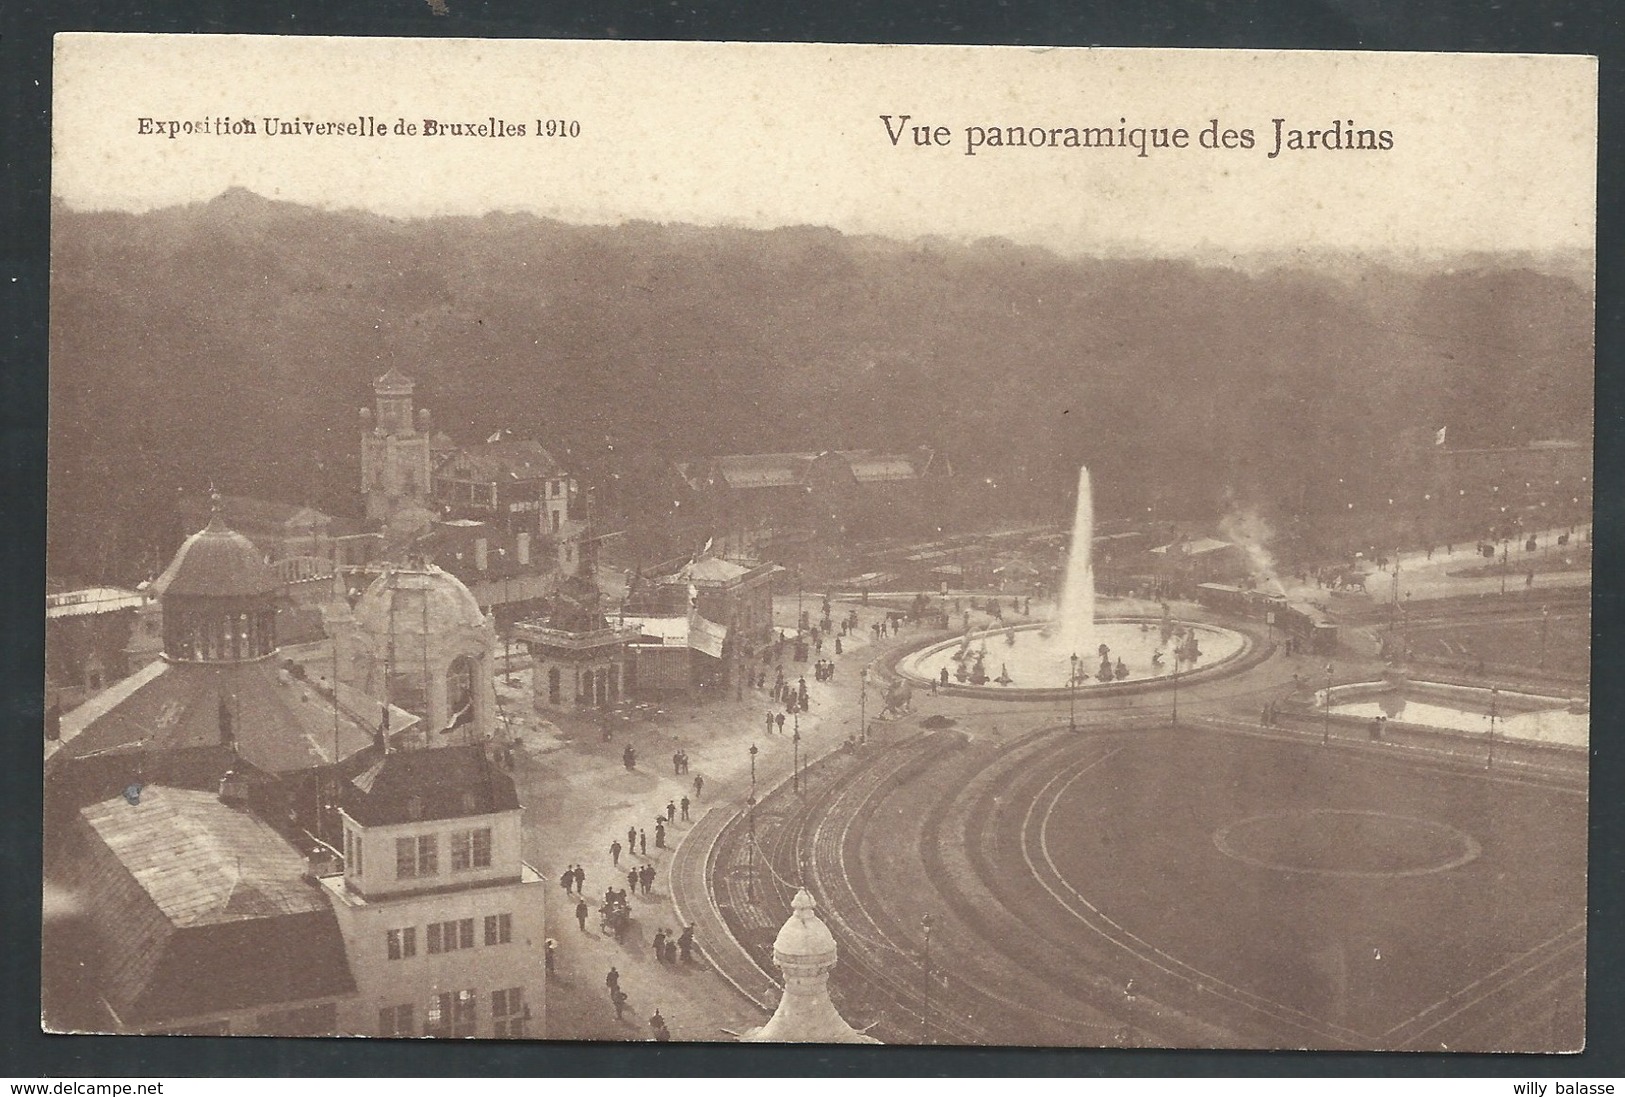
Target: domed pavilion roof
{"type": "Point", "coordinates": [218, 562]}
{"type": "Point", "coordinates": [417, 600]}
{"type": "Point", "coordinates": [804, 938]}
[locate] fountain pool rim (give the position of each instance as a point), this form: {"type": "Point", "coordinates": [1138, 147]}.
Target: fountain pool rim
{"type": "Point", "coordinates": [905, 663]}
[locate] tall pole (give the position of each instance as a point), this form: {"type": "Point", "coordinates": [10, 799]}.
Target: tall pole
{"type": "Point", "coordinates": [795, 746]}
{"type": "Point", "coordinates": [1072, 696]}
{"type": "Point", "coordinates": [1489, 756]}
{"type": "Point", "coordinates": [863, 707]}
{"type": "Point", "coordinates": [1505, 548]}
{"type": "Point", "coordinates": [1545, 619]}
{"type": "Point", "coordinates": [1176, 688]}
{"type": "Point", "coordinates": [750, 822]}
{"type": "Point", "coordinates": [925, 1005]}
{"type": "Point", "coordinates": [1326, 728]}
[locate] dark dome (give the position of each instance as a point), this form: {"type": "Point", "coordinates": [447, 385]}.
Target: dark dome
{"type": "Point", "coordinates": [217, 562]}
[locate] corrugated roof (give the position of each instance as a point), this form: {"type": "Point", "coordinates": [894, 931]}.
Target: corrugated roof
{"type": "Point", "coordinates": [201, 861]}
{"type": "Point", "coordinates": [202, 908]}
{"type": "Point", "coordinates": [870, 467]}
{"type": "Point", "coordinates": [764, 470]}
{"type": "Point", "coordinates": [91, 600]}
{"type": "Point", "coordinates": [439, 783]}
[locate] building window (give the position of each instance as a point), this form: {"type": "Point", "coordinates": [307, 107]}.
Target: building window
{"type": "Point", "coordinates": [451, 936]}
{"type": "Point", "coordinates": [498, 929]}
{"type": "Point", "coordinates": [553, 686]}
{"type": "Point", "coordinates": [508, 1012]}
{"type": "Point", "coordinates": [402, 943]}
{"type": "Point", "coordinates": [555, 521]}
{"type": "Point", "coordinates": [452, 1014]}
{"type": "Point", "coordinates": [395, 1021]}
{"type": "Point", "coordinates": [418, 856]}
{"type": "Point", "coordinates": [471, 849]}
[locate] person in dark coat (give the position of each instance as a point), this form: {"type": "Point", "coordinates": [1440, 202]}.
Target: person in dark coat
{"type": "Point", "coordinates": [643, 843]}
{"type": "Point", "coordinates": [581, 914]}
{"type": "Point", "coordinates": [615, 853]}
{"type": "Point", "coordinates": [685, 943]}
{"type": "Point", "coordinates": [660, 945]}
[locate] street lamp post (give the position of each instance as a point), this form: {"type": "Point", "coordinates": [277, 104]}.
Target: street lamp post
{"type": "Point", "coordinates": [925, 1006]}
{"type": "Point", "coordinates": [795, 745]}
{"type": "Point", "coordinates": [863, 707]}
{"type": "Point", "coordinates": [1545, 620]}
{"type": "Point", "coordinates": [1326, 727]}
{"type": "Point", "coordinates": [1176, 688]}
{"type": "Point", "coordinates": [1489, 755]}
{"type": "Point", "coordinates": [1072, 696]}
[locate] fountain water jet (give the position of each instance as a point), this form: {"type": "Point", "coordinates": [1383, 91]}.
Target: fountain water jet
{"type": "Point", "coordinates": [1075, 623]}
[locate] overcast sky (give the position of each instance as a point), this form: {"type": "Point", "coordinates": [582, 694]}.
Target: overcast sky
{"type": "Point", "coordinates": [1489, 152]}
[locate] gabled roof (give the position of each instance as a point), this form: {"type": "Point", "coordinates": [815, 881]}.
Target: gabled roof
{"type": "Point", "coordinates": [394, 379]}
{"type": "Point", "coordinates": [202, 908]}
{"type": "Point", "coordinates": [423, 785]}
{"type": "Point", "coordinates": [764, 470]}
{"type": "Point", "coordinates": [707, 569]}
{"type": "Point", "coordinates": [499, 461]}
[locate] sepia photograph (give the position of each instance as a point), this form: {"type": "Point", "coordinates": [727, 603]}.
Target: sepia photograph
{"type": "Point", "coordinates": [824, 544]}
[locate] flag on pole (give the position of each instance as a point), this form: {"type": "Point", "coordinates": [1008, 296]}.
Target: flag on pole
{"type": "Point", "coordinates": [1438, 436]}
{"type": "Point", "coordinates": [497, 437]}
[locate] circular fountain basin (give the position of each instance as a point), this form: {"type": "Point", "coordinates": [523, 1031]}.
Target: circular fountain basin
{"type": "Point", "coordinates": [1031, 662]}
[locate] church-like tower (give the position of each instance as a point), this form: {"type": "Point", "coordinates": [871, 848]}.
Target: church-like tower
{"type": "Point", "coordinates": [395, 463]}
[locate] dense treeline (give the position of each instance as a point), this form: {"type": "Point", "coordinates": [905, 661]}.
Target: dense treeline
{"type": "Point", "coordinates": [234, 341]}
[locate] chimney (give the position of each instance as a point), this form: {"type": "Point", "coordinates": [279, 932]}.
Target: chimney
{"type": "Point", "coordinates": [481, 547]}
{"type": "Point", "coordinates": [523, 548]}
{"type": "Point", "coordinates": [234, 789]}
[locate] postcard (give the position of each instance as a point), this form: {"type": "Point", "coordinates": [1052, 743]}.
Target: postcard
{"type": "Point", "coordinates": [586, 540]}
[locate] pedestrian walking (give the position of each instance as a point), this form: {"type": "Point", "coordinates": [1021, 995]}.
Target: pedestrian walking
{"type": "Point", "coordinates": [699, 783]}
{"type": "Point", "coordinates": [581, 914]}
{"type": "Point", "coordinates": [629, 757]}
{"type": "Point", "coordinates": [632, 878]}
{"type": "Point", "coordinates": [671, 950]}
{"type": "Point", "coordinates": [581, 879]}
{"type": "Point", "coordinates": [671, 811]}
{"type": "Point", "coordinates": [685, 943]}
{"type": "Point", "coordinates": [660, 946]}
{"type": "Point", "coordinates": [549, 947]}
{"type": "Point", "coordinates": [647, 878]}
{"type": "Point", "coordinates": [615, 853]}
{"type": "Point", "coordinates": [683, 804]}
{"type": "Point", "coordinates": [778, 719]}
{"type": "Point", "coordinates": [618, 998]}
{"type": "Point", "coordinates": [631, 839]}
{"type": "Point", "coordinates": [643, 843]}
{"type": "Point", "coordinates": [660, 835]}
{"type": "Point", "coordinates": [770, 723]}
{"type": "Point", "coordinates": [657, 1025]}
{"type": "Point", "coordinates": [566, 879]}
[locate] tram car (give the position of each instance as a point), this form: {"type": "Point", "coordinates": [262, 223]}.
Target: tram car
{"type": "Point", "coordinates": [1306, 622]}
